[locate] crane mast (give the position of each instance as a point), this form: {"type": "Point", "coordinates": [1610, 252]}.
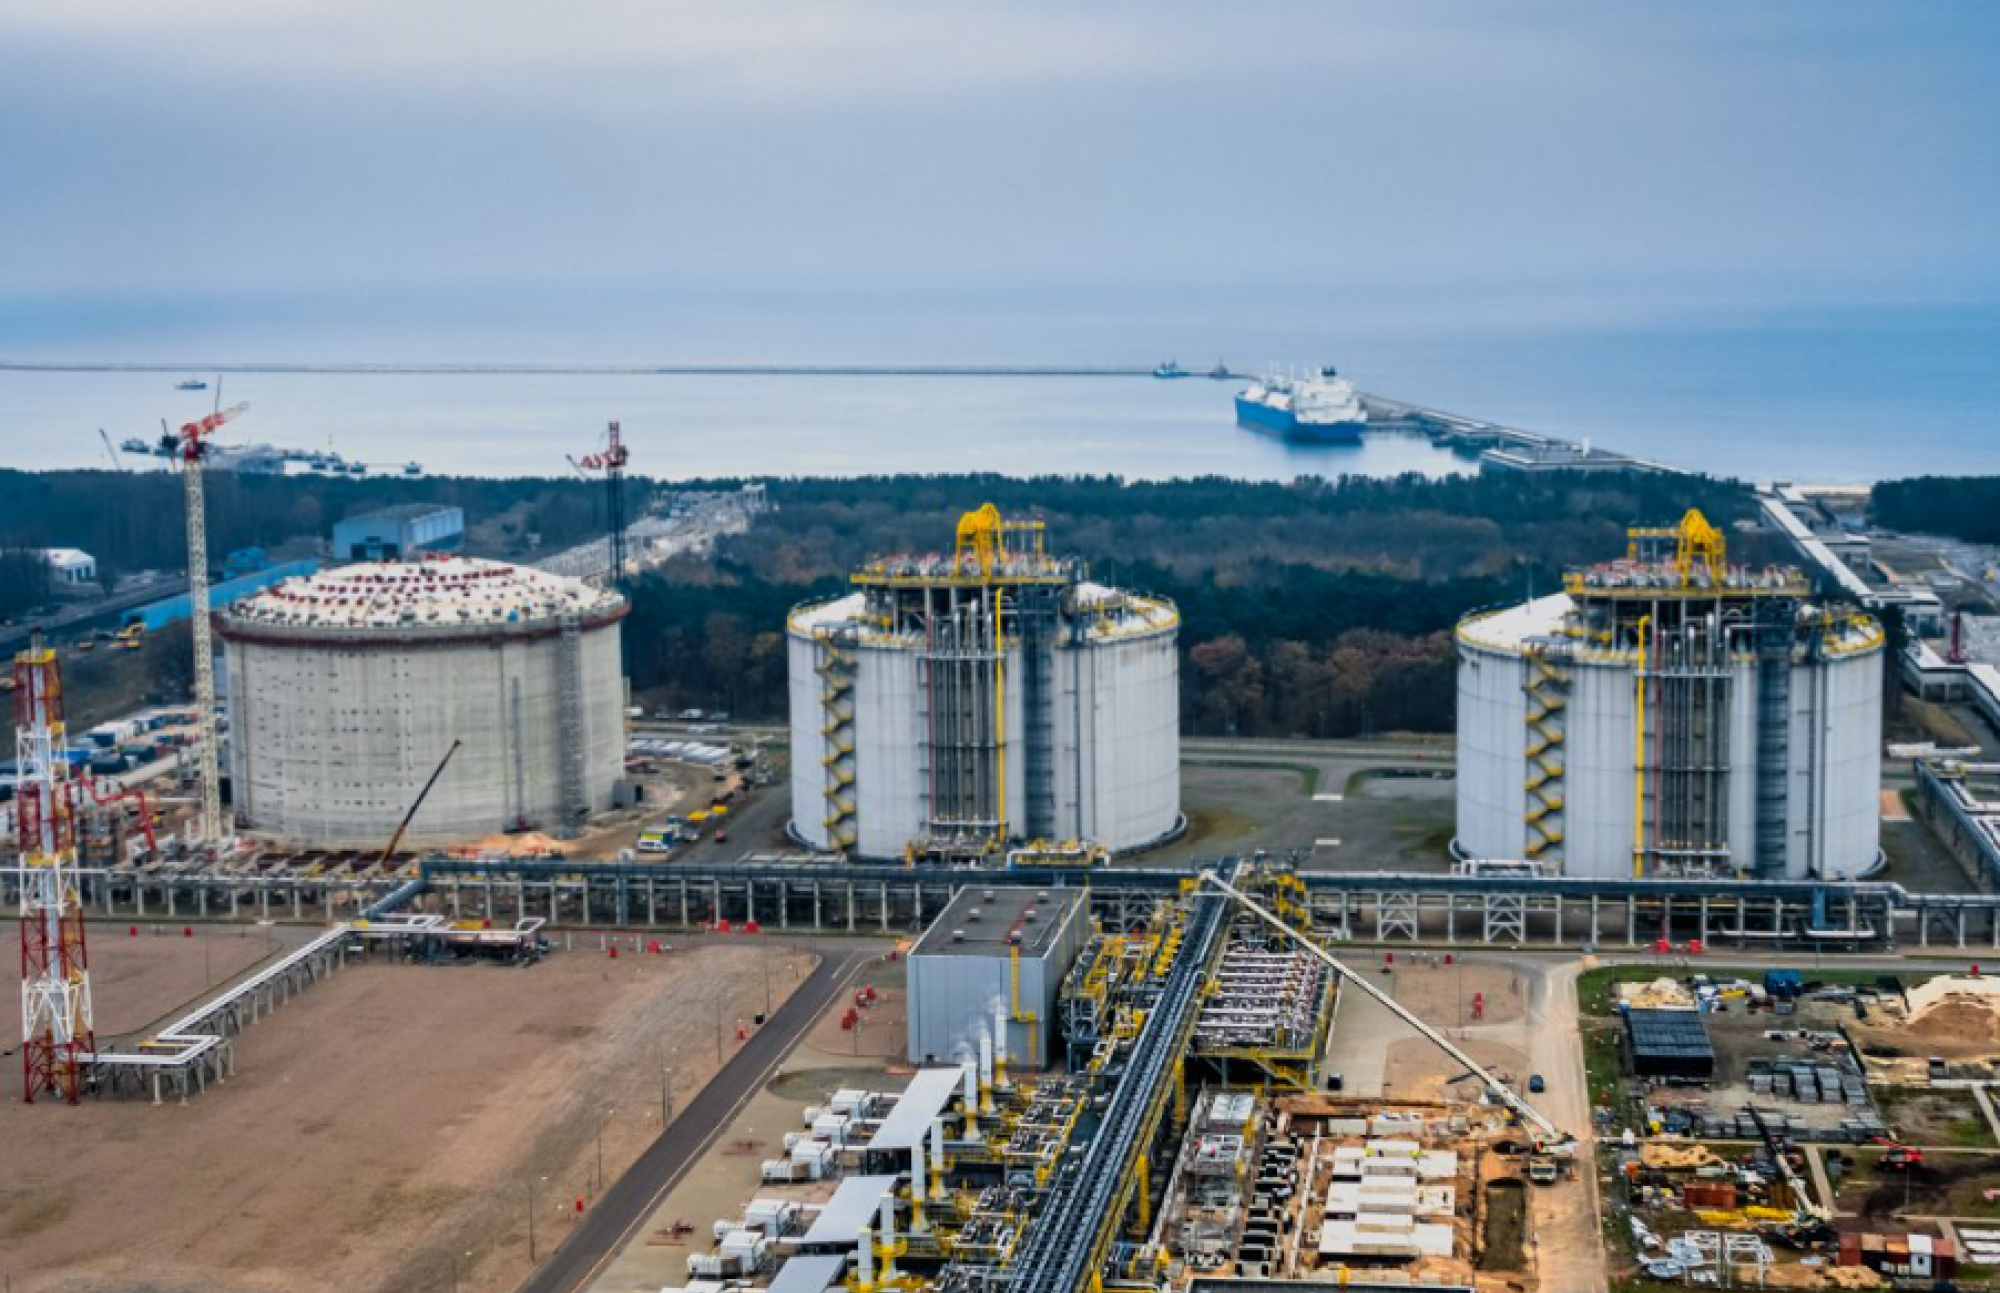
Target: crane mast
{"type": "Point", "coordinates": [612, 463]}
{"type": "Point", "coordinates": [193, 449]}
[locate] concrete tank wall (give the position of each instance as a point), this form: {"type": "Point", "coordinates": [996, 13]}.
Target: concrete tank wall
{"type": "Point", "coordinates": [331, 742]}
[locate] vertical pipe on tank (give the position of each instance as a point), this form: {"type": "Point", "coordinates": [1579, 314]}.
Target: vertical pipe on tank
{"type": "Point", "coordinates": [919, 1186]}
{"type": "Point", "coordinates": [971, 1099]}
{"type": "Point", "coordinates": [864, 1261]}
{"type": "Point", "coordinates": [985, 1073]}
{"type": "Point", "coordinates": [937, 1158]}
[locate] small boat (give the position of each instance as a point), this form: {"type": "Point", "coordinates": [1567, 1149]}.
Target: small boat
{"type": "Point", "coordinates": [357, 469]}
{"type": "Point", "coordinates": [1220, 372]}
{"type": "Point", "coordinates": [413, 469]}
{"type": "Point", "coordinates": [136, 445]}
{"type": "Point", "coordinates": [191, 384]}
{"type": "Point", "coordinates": [1170, 369]}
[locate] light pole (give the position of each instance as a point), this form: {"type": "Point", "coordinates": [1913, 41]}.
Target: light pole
{"type": "Point", "coordinates": [531, 1217]}
{"type": "Point", "coordinates": [666, 1097]}
{"type": "Point", "coordinates": [718, 1025]}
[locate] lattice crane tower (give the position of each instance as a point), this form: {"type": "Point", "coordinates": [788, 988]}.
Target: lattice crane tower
{"type": "Point", "coordinates": [192, 450]}
{"type": "Point", "coordinates": [55, 970]}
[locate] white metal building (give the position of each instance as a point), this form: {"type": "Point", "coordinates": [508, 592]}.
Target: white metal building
{"type": "Point", "coordinates": [957, 704]}
{"type": "Point", "coordinates": [1672, 715]}
{"type": "Point", "coordinates": [348, 687]}
{"type": "Point", "coordinates": [994, 958]}
{"type": "Point", "coordinates": [69, 567]}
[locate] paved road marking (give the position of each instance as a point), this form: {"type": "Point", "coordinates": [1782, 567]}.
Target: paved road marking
{"type": "Point", "coordinates": [1327, 799]}
{"type": "Point", "coordinates": [1326, 844]}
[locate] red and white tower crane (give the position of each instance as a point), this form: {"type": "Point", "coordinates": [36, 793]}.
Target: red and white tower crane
{"type": "Point", "coordinates": [55, 970]}
{"type": "Point", "coordinates": [191, 450]}
{"type": "Point", "coordinates": [612, 463]}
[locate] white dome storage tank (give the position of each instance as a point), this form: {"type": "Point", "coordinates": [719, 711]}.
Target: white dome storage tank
{"type": "Point", "coordinates": [348, 686]}
{"type": "Point", "coordinates": [1669, 714]}
{"type": "Point", "coordinates": [957, 704]}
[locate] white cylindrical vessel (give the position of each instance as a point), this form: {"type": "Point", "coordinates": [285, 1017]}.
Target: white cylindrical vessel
{"type": "Point", "coordinates": [956, 713]}
{"type": "Point", "coordinates": [348, 687]}
{"type": "Point", "coordinates": [1650, 721]}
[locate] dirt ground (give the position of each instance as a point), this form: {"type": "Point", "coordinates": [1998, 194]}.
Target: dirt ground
{"type": "Point", "coordinates": [727, 1178]}
{"type": "Point", "coordinates": [1417, 1070]}
{"type": "Point", "coordinates": [1445, 994]}
{"type": "Point", "coordinates": [383, 1128]}
{"type": "Point", "coordinates": [142, 979]}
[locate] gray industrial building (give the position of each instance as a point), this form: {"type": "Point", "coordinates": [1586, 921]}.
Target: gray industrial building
{"type": "Point", "coordinates": [394, 533]}
{"type": "Point", "coordinates": [962, 973]}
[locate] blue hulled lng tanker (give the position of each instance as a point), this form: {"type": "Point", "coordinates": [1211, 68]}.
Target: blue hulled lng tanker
{"type": "Point", "coordinates": [1323, 408]}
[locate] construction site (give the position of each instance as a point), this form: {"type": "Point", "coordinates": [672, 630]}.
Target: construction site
{"type": "Point", "coordinates": [1786, 1129]}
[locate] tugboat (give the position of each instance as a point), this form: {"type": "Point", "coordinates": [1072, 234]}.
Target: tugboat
{"type": "Point", "coordinates": [191, 384]}
{"type": "Point", "coordinates": [1170, 369]}
{"type": "Point", "coordinates": [413, 469]}
{"type": "Point", "coordinates": [1220, 372]}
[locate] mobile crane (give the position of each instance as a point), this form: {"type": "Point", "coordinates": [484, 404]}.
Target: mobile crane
{"type": "Point", "coordinates": [1555, 1141]}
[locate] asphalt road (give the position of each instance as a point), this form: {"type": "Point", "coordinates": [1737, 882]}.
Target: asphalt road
{"type": "Point", "coordinates": [627, 1204]}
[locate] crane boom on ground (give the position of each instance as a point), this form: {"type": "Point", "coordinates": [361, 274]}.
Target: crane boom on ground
{"type": "Point", "coordinates": [191, 448]}
{"type": "Point", "coordinates": [1557, 1138]}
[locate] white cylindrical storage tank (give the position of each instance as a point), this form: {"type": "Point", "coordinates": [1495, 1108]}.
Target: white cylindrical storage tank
{"type": "Point", "coordinates": [1658, 721]}
{"type": "Point", "coordinates": [950, 713]}
{"type": "Point", "coordinates": [348, 687]}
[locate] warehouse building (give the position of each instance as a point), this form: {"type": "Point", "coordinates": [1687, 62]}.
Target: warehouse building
{"type": "Point", "coordinates": [348, 687]}
{"type": "Point", "coordinates": [960, 703]}
{"type": "Point", "coordinates": [399, 533]}
{"type": "Point", "coordinates": [1669, 1045]}
{"type": "Point", "coordinates": [995, 957]}
{"type": "Point", "coordinates": [1670, 714]}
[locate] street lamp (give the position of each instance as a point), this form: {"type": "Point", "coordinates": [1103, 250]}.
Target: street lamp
{"type": "Point", "coordinates": [666, 1096]}
{"type": "Point", "coordinates": [530, 1183]}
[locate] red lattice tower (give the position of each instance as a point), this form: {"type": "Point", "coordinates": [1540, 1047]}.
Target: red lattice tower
{"type": "Point", "coordinates": [55, 968]}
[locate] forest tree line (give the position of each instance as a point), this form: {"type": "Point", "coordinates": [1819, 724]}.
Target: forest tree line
{"type": "Point", "coordinates": [1314, 607]}
{"type": "Point", "coordinates": [1959, 507]}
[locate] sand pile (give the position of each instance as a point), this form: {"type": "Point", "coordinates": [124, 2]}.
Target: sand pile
{"type": "Point", "coordinates": [1677, 1158]}
{"type": "Point", "coordinates": [1660, 994]}
{"type": "Point", "coordinates": [1822, 1277]}
{"type": "Point", "coordinates": [1958, 1017]}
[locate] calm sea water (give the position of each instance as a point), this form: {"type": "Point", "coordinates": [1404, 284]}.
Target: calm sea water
{"type": "Point", "coordinates": [1835, 397]}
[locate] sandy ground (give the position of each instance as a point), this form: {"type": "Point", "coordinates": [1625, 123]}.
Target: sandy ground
{"type": "Point", "coordinates": [136, 980]}
{"type": "Point", "coordinates": [1529, 1026]}
{"type": "Point", "coordinates": [383, 1128]}
{"type": "Point", "coordinates": [727, 1178]}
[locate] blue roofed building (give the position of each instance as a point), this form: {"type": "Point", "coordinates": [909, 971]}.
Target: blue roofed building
{"type": "Point", "coordinates": [397, 533]}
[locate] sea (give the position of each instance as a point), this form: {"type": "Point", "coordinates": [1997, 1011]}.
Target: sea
{"type": "Point", "coordinates": [1832, 395]}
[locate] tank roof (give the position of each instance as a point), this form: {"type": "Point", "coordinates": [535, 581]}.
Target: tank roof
{"type": "Point", "coordinates": [1510, 630]}
{"type": "Point", "coordinates": [452, 595]}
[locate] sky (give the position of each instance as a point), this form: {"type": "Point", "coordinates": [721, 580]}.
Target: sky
{"type": "Point", "coordinates": [459, 179]}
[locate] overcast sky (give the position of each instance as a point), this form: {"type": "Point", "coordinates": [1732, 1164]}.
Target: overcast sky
{"type": "Point", "coordinates": [211, 154]}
